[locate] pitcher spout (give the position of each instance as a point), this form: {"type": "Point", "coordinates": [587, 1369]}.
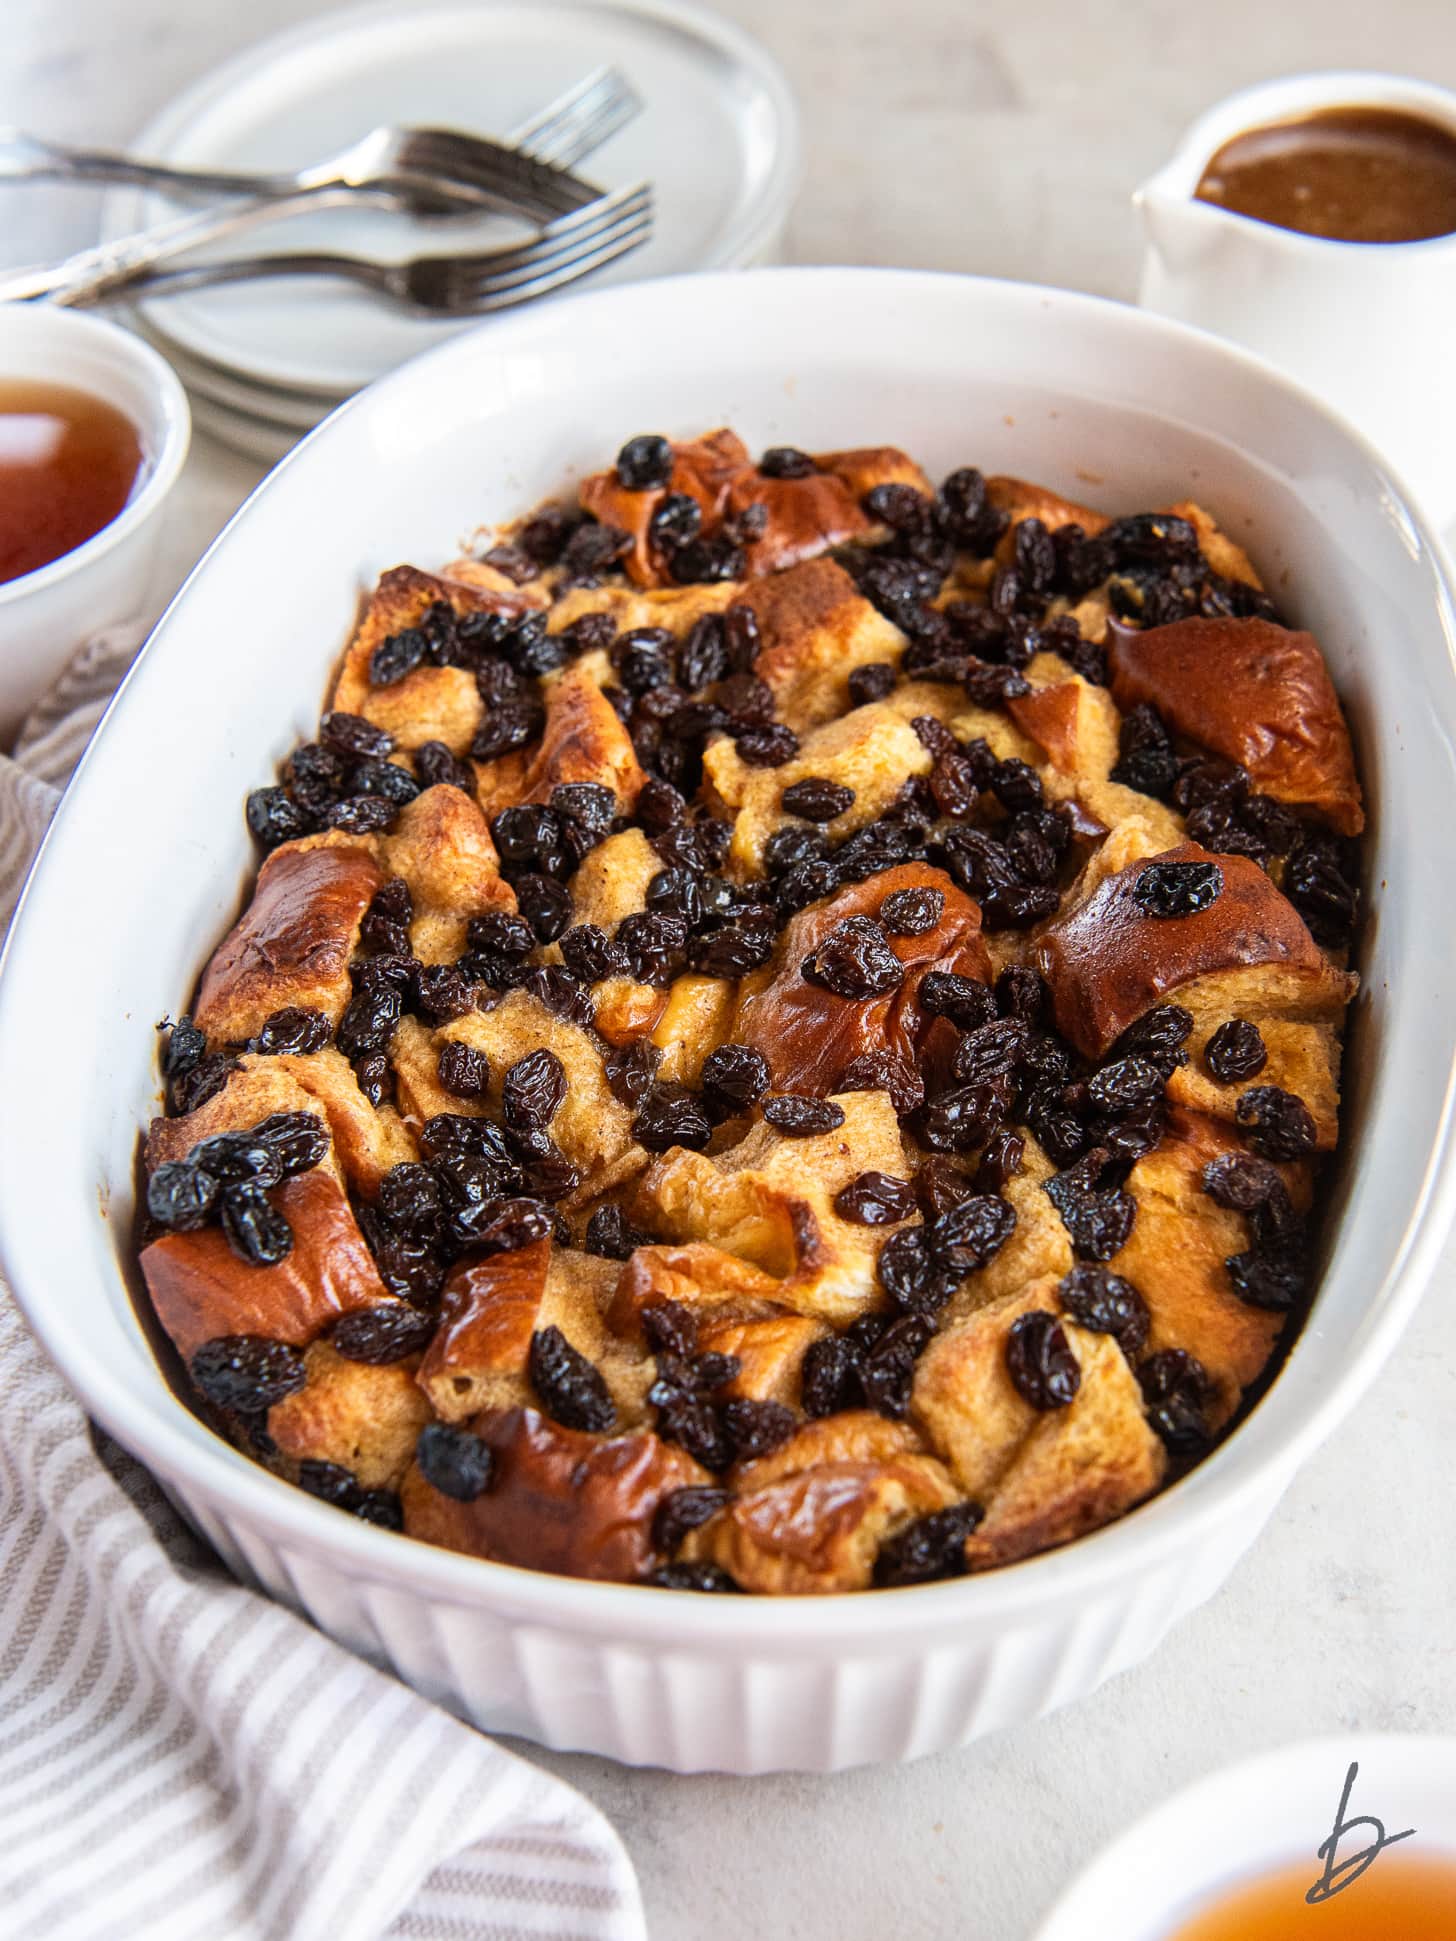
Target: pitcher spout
{"type": "Point", "coordinates": [1183, 230]}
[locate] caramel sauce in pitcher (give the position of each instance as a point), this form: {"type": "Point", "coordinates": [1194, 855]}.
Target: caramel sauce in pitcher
{"type": "Point", "coordinates": [68, 463]}
{"type": "Point", "coordinates": [1352, 175]}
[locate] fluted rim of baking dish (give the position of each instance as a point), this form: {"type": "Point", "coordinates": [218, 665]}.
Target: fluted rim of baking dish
{"type": "Point", "coordinates": [1235, 1479]}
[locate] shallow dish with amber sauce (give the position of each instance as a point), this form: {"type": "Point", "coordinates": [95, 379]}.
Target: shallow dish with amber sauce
{"type": "Point", "coordinates": [788, 1035]}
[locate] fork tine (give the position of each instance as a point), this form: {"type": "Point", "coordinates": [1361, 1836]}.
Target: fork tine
{"type": "Point", "coordinates": [622, 242]}
{"type": "Point", "coordinates": [566, 233]}
{"type": "Point", "coordinates": [526, 274]}
{"type": "Point", "coordinates": [578, 120]}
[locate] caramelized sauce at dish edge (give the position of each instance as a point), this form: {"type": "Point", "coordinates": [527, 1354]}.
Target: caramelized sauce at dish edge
{"type": "Point", "coordinates": [1354, 175]}
{"type": "Point", "coordinates": [68, 464]}
{"type": "Point", "coordinates": [1407, 1895]}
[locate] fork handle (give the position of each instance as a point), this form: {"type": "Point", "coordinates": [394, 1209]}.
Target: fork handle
{"type": "Point", "coordinates": [92, 275]}
{"type": "Point", "coordinates": [26, 158]}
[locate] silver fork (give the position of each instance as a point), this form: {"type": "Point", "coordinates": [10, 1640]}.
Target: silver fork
{"type": "Point", "coordinates": [467, 284]}
{"type": "Point", "coordinates": [526, 176]}
{"type": "Point", "coordinates": [427, 170]}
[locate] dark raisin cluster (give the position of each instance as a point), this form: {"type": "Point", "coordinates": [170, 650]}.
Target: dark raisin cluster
{"type": "Point", "coordinates": [227, 1178]}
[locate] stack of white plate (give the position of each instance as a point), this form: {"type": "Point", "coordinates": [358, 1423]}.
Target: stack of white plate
{"type": "Point", "coordinates": [264, 362]}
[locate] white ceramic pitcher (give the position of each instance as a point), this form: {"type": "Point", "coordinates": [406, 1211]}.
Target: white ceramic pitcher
{"type": "Point", "coordinates": [1370, 326]}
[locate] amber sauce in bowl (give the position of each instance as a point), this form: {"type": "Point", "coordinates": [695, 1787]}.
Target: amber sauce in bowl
{"type": "Point", "coordinates": [1351, 175]}
{"type": "Point", "coordinates": [1402, 1896]}
{"type": "Point", "coordinates": [68, 465]}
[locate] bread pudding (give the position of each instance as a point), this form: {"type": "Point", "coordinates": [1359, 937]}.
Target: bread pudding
{"type": "Point", "coordinates": [784, 1036]}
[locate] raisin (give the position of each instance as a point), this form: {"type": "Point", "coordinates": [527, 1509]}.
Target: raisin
{"type": "Point", "coordinates": [330, 1482]}
{"type": "Point", "coordinates": [293, 1029]}
{"type": "Point", "coordinates": [644, 463]}
{"type": "Point", "coordinates": [501, 934]}
{"type": "Point", "coordinates": [683, 1510]}
{"type": "Point", "coordinates": [692, 1577]}
{"type": "Point", "coordinates": [640, 659]}
{"type": "Point", "coordinates": [817, 799]}
{"type": "Point", "coordinates": [799, 1117]}
{"type": "Point", "coordinates": [533, 1090]}
{"type": "Point", "coordinates": [181, 1196]}
{"type": "Point", "coordinates": [571, 1390]}
{"type": "Point", "coordinates": [396, 655]}
{"type": "Point", "coordinates": [953, 787]}
{"type": "Point", "coordinates": [438, 768]}
{"type": "Point", "coordinates": [656, 946]}
{"type": "Point", "coordinates": [1236, 1051]}
{"type": "Point", "coordinates": [1241, 1182]}
{"type": "Point", "coordinates": [1176, 1392]}
{"type": "Point", "coordinates": [1125, 1083]}
{"type": "Point", "coordinates": [375, 1078]}
{"type": "Point", "coordinates": [1317, 881]}
{"type": "Point", "coordinates": [274, 817]}
{"type": "Point", "coordinates": [1104, 1302]}
{"type": "Point", "coordinates": [885, 1071]}
{"type": "Point", "coordinates": [464, 1072]}
{"type": "Point", "coordinates": [871, 682]}
{"type": "Point", "coordinates": [706, 561]}
{"type": "Point", "coordinates": [875, 1200]}
{"type": "Point", "coordinates": [855, 961]}
{"type": "Point", "coordinates": [1277, 1124]}
{"type": "Point", "coordinates": [1040, 1361]}
{"type": "Point", "coordinates": [297, 1140]}
{"type": "Point", "coordinates": [929, 1549]}
{"type": "Point", "coordinates": [256, 1231]}
{"type": "Point", "coordinates": [1158, 1037]}
{"type": "Point", "coordinates": [632, 1070]}
{"type": "Point", "coordinates": [1177, 889]}
{"type": "Point", "coordinates": [377, 1335]}
{"type": "Point", "coordinates": [754, 1426]}
{"type": "Point", "coordinates": [1001, 1161]}
{"type": "Point", "coordinates": [888, 1353]}
{"type": "Point", "coordinates": [185, 1048]}
{"type": "Point", "coordinates": [972, 1232]}
{"type": "Point", "coordinates": [610, 1236]}
{"type": "Point", "coordinates": [545, 905]}
{"type": "Point", "coordinates": [351, 734]}
{"type": "Point", "coordinates": [247, 1372]}
{"type": "Point", "coordinates": [369, 1019]}
{"type": "Point", "coordinates": [830, 1376]}
{"type": "Point", "coordinates": [1098, 1219]}
{"type": "Point", "coordinates": [965, 1001]}
{"type": "Point", "coordinates": [735, 1078]}
{"type": "Point", "coordinates": [409, 1197]}
{"type": "Point", "coordinates": [786, 462]}
{"type": "Point", "coordinates": [911, 1274]}
{"type": "Point", "coordinates": [961, 1120]}
{"type": "Point", "coordinates": [990, 1051]}
{"type": "Point", "coordinates": [1145, 756]}
{"type": "Point", "coordinates": [1022, 993]}
{"type": "Point", "coordinates": [732, 952]}
{"type": "Point", "coordinates": [912, 912]}
{"type": "Point", "coordinates": [504, 1226]}
{"type": "Point", "coordinates": [454, 1461]}
{"type": "Point", "coordinates": [675, 521]}
{"type": "Point", "coordinates": [671, 1116]}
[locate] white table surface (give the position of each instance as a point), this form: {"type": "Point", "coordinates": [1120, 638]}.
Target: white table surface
{"type": "Point", "coordinates": [944, 135]}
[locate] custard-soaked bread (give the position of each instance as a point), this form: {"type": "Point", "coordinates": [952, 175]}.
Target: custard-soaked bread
{"type": "Point", "coordinates": [785, 1035]}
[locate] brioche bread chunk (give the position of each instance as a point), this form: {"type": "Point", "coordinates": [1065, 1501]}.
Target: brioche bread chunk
{"type": "Point", "coordinates": [787, 1031]}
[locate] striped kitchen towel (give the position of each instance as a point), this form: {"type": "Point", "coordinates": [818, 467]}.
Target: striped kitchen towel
{"type": "Point", "coordinates": [182, 1760]}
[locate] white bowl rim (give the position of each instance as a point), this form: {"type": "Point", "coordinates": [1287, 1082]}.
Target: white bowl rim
{"type": "Point", "coordinates": [172, 416]}
{"type": "Point", "coordinates": [1216, 1801]}
{"type": "Point", "coordinates": [152, 1427]}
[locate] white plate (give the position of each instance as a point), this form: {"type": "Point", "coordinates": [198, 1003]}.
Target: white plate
{"type": "Point", "coordinates": [1043, 383]}
{"type": "Point", "coordinates": [718, 137]}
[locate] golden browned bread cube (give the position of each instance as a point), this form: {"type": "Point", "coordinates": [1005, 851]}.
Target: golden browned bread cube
{"type": "Point", "coordinates": [292, 944]}
{"type": "Point", "coordinates": [813, 1515]}
{"type": "Point", "coordinates": [364, 1417]}
{"type": "Point", "coordinates": [816, 628]}
{"type": "Point", "coordinates": [560, 1499]}
{"type": "Point", "coordinates": [1110, 960]}
{"type": "Point", "coordinates": [201, 1289]}
{"type": "Point", "coordinates": [703, 469]}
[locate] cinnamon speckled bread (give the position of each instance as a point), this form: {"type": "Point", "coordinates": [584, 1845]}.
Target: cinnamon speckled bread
{"type": "Point", "coordinates": [784, 1034]}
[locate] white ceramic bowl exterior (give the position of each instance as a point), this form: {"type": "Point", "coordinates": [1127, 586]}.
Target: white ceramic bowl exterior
{"type": "Point", "coordinates": [1366, 325]}
{"type": "Point", "coordinates": [1251, 1820]}
{"type": "Point", "coordinates": [1087, 396]}
{"type": "Point", "coordinates": [45, 615]}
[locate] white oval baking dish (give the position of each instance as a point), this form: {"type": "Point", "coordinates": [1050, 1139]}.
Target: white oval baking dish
{"type": "Point", "coordinates": [148, 858]}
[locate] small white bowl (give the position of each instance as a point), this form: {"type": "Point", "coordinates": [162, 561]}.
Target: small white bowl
{"type": "Point", "coordinates": [1252, 1819]}
{"type": "Point", "coordinates": [45, 615]}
